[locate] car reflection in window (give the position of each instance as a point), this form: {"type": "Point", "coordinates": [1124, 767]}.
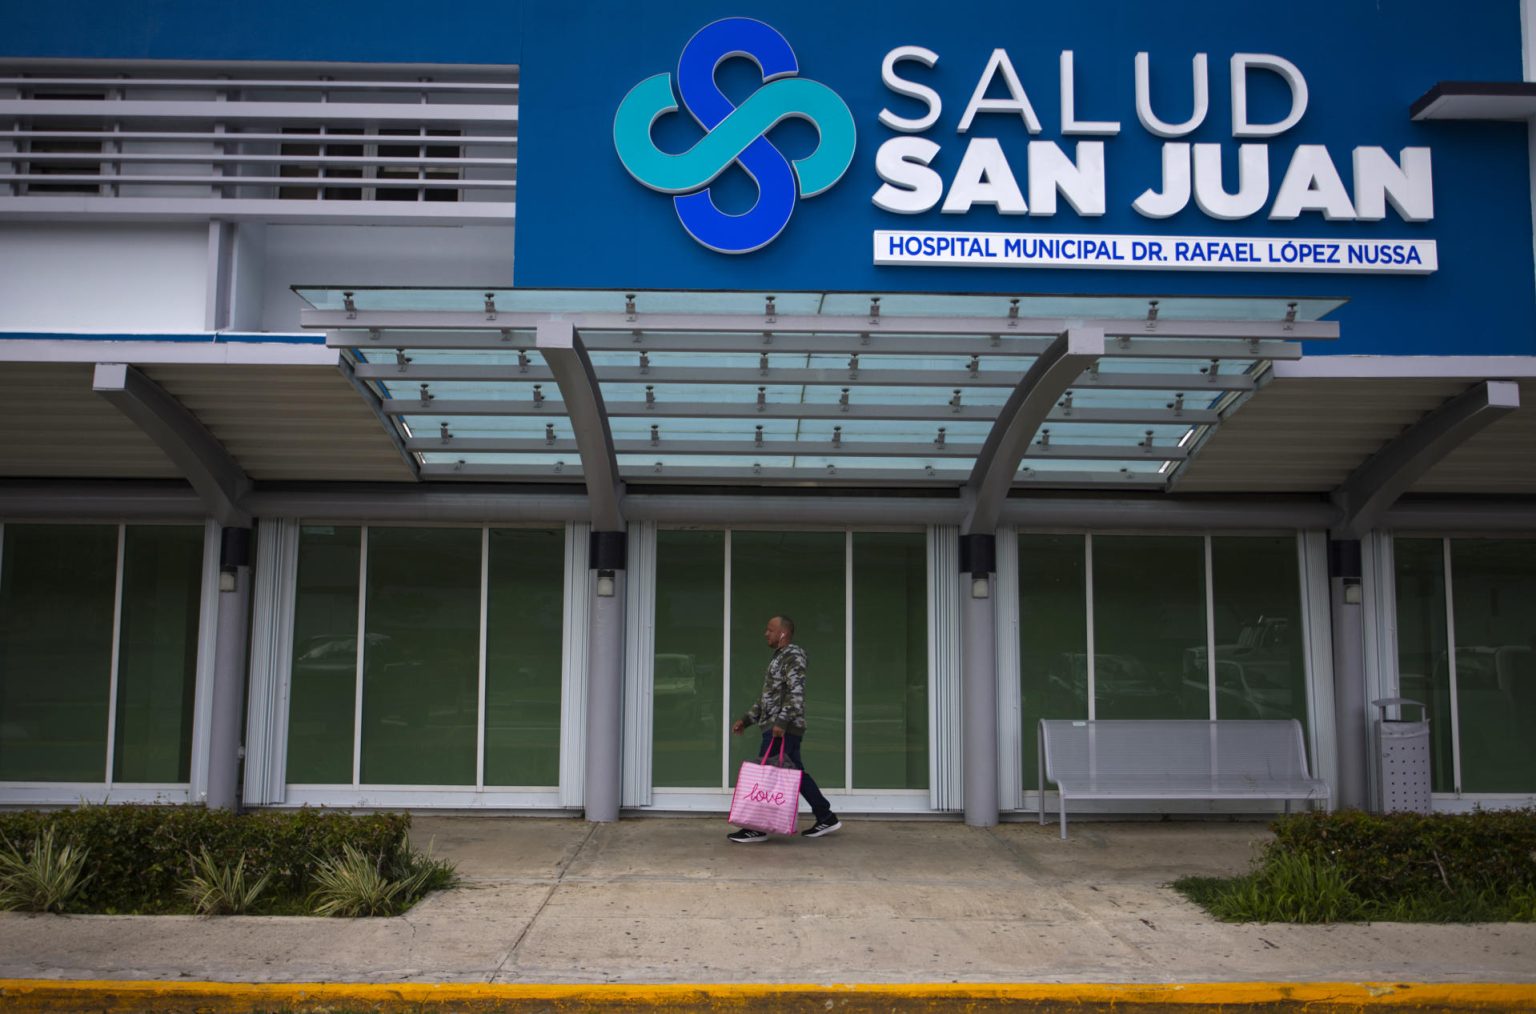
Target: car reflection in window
{"type": "Point", "coordinates": [1256, 677]}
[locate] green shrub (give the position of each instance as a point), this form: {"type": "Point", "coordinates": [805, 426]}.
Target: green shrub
{"type": "Point", "coordinates": [1393, 855]}
{"type": "Point", "coordinates": [354, 884]}
{"type": "Point", "coordinates": [1399, 867]}
{"type": "Point", "coordinates": [1521, 902]}
{"type": "Point", "coordinates": [45, 879]}
{"type": "Point", "coordinates": [1465, 904]}
{"type": "Point", "coordinates": [215, 889]}
{"type": "Point", "coordinates": [424, 871]}
{"type": "Point", "coordinates": [1288, 888]}
{"type": "Point", "coordinates": [141, 856]}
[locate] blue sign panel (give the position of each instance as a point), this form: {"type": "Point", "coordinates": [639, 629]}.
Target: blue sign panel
{"type": "Point", "coordinates": [1182, 147]}
{"type": "Point", "coordinates": [1100, 147]}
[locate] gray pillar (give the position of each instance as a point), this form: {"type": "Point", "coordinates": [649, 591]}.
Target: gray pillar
{"type": "Point", "coordinates": [978, 653]}
{"type": "Point", "coordinates": [603, 790]}
{"type": "Point", "coordinates": [229, 660]}
{"type": "Point", "coordinates": [1350, 716]}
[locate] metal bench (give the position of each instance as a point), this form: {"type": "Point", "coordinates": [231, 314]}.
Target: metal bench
{"type": "Point", "coordinates": [1175, 759]}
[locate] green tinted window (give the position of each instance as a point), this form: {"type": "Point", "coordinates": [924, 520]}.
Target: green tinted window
{"type": "Point", "coordinates": [57, 587]}
{"type": "Point", "coordinates": [322, 697]}
{"type": "Point", "coordinates": [1423, 672]}
{"type": "Point", "coordinates": [421, 656]}
{"type": "Point", "coordinates": [801, 574]}
{"type": "Point", "coordinates": [1260, 662]}
{"type": "Point", "coordinates": [687, 713]}
{"type": "Point", "coordinates": [890, 661]}
{"type": "Point", "coordinates": [1053, 637]}
{"type": "Point", "coordinates": [1149, 627]}
{"type": "Point", "coordinates": [1494, 585]}
{"type": "Point", "coordinates": [157, 658]}
{"type": "Point", "coordinates": [524, 632]}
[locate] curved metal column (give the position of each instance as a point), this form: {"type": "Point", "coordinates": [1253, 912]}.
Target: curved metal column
{"type": "Point", "coordinates": [603, 778]}
{"type": "Point", "coordinates": [1056, 370]}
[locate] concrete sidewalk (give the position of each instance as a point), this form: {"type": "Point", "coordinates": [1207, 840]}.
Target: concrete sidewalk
{"type": "Point", "coordinates": [669, 900]}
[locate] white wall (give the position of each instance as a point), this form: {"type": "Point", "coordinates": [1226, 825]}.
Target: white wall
{"type": "Point", "coordinates": [148, 278]}
{"type": "Point", "coordinates": [104, 278]}
{"type": "Point", "coordinates": [247, 295]}
{"type": "Point", "coordinates": [362, 255]}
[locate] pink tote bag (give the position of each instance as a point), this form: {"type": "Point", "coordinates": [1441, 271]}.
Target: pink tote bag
{"type": "Point", "coordinates": [767, 795]}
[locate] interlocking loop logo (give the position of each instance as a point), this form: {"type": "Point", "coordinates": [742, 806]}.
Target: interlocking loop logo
{"type": "Point", "coordinates": [734, 134]}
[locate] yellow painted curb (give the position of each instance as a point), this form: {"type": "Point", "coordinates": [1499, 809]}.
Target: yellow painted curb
{"type": "Point", "coordinates": [109, 995]}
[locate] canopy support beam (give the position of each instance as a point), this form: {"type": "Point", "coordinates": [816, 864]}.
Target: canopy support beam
{"type": "Point", "coordinates": [561, 347]}
{"type": "Point", "coordinates": [376, 406]}
{"type": "Point", "coordinates": [1031, 403]}
{"type": "Point", "coordinates": [220, 483]}
{"type": "Point", "coordinates": [1372, 489]}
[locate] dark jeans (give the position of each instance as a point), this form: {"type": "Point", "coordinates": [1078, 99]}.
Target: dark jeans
{"type": "Point", "coordinates": [808, 788]}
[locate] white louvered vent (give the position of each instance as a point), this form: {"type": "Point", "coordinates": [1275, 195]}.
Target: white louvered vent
{"type": "Point", "coordinates": [237, 140]}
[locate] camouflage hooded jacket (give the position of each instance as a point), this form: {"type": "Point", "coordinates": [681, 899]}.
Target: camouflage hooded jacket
{"type": "Point", "coordinates": [782, 702]}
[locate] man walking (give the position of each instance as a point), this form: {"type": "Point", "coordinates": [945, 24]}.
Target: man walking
{"type": "Point", "coordinates": [781, 711]}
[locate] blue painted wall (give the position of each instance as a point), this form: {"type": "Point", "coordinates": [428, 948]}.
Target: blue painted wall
{"type": "Point", "coordinates": [386, 31]}
{"type": "Point", "coordinates": [1365, 64]}
{"type": "Point", "coordinates": [583, 221]}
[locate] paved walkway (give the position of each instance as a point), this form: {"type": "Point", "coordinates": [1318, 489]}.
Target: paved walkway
{"type": "Point", "coordinates": [663, 900]}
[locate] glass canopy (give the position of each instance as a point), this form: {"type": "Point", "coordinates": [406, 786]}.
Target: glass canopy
{"type": "Point", "coordinates": [829, 389]}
